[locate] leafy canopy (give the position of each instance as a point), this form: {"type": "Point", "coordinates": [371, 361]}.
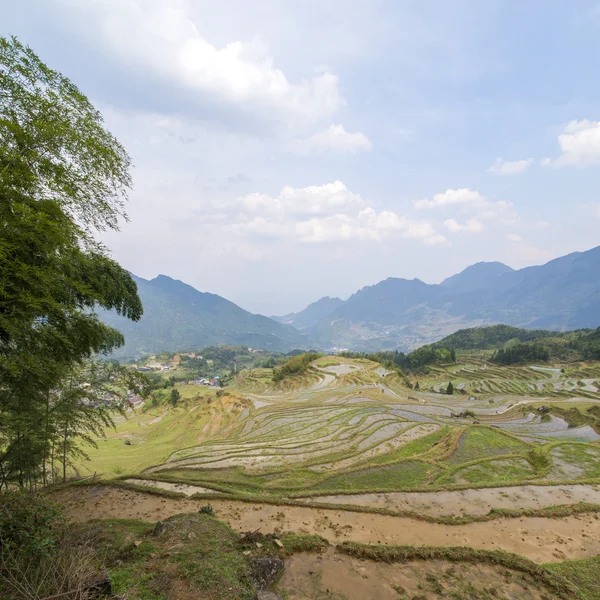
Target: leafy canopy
{"type": "Point", "coordinates": [63, 176]}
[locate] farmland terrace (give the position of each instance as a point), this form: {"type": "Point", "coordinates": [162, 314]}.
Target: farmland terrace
{"type": "Point", "coordinates": [509, 462]}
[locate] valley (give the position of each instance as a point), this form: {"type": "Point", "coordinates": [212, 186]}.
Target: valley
{"type": "Point", "coordinates": [510, 463]}
{"type": "Point", "coordinates": [395, 313]}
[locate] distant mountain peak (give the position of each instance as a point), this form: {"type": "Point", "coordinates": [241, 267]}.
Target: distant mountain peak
{"type": "Point", "coordinates": [312, 314]}
{"type": "Point", "coordinates": [478, 275]}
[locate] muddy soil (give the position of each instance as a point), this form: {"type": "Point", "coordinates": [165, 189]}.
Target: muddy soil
{"type": "Point", "coordinates": [540, 539]}
{"type": "Point", "coordinates": [336, 576]}
{"type": "Point", "coordinates": [471, 502]}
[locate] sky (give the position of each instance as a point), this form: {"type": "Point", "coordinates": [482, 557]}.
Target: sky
{"type": "Point", "coordinates": [286, 150]}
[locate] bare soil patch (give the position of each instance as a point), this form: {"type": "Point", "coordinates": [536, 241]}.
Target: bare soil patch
{"type": "Point", "coordinates": [336, 576]}
{"type": "Point", "coordinates": [539, 539]}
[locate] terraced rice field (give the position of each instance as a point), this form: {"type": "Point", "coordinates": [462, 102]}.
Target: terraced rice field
{"type": "Point", "coordinates": [352, 427]}
{"type": "Point", "coordinates": [509, 465]}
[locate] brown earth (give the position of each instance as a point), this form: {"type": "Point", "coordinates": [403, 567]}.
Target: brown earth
{"type": "Point", "coordinates": [539, 539]}
{"type": "Point", "coordinates": [471, 501]}
{"type": "Point", "coordinates": [336, 576]}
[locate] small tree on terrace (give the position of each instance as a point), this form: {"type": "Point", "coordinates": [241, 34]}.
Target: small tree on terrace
{"type": "Point", "coordinates": [450, 389]}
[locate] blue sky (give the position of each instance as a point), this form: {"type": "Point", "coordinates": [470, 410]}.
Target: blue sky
{"type": "Point", "coordinates": [285, 151]}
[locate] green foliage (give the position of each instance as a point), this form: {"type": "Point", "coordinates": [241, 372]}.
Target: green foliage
{"type": "Point", "coordinates": [297, 365]}
{"type": "Point", "coordinates": [491, 337]}
{"type": "Point", "coordinates": [62, 175]}
{"type": "Point", "coordinates": [28, 524]}
{"type": "Point", "coordinates": [521, 354]}
{"type": "Point", "coordinates": [515, 345]}
{"type": "Point", "coordinates": [207, 509]}
{"type": "Point", "coordinates": [415, 361]}
{"type": "Point", "coordinates": [175, 396]}
{"type": "Point", "coordinates": [450, 389]}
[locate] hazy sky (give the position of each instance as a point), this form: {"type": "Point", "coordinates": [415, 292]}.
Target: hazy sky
{"type": "Point", "coordinates": [289, 149]}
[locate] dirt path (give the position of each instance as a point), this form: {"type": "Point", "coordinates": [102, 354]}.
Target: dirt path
{"type": "Point", "coordinates": [540, 539]}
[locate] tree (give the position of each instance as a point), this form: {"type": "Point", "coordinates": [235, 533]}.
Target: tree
{"type": "Point", "coordinates": [63, 176]}
{"type": "Point", "coordinates": [175, 396]}
{"type": "Point", "coordinates": [417, 387]}
{"type": "Point", "coordinates": [450, 389]}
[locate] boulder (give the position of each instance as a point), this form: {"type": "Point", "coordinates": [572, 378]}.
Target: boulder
{"type": "Point", "coordinates": [159, 529]}
{"type": "Point", "coordinates": [264, 572]}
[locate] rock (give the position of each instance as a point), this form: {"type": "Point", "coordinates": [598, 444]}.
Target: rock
{"type": "Point", "coordinates": [278, 543]}
{"type": "Point", "coordinates": [264, 595]}
{"type": "Point", "coordinates": [100, 588]}
{"type": "Point", "coordinates": [264, 572]}
{"type": "Point", "coordinates": [127, 443]}
{"type": "Point", "coordinates": [159, 529]}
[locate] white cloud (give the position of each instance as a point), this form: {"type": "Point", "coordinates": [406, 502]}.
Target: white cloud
{"type": "Point", "coordinates": [460, 197]}
{"type": "Point", "coordinates": [471, 226]}
{"type": "Point", "coordinates": [470, 201]}
{"type": "Point", "coordinates": [580, 145]}
{"type": "Point", "coordinates": [510, 167]}
{"type": "Point", "coordinates": [513, 237]}
{"type": "Point", "coordinates": [312, 200]}
{"type": "Point", "coordinates": [334, 138]}
{"type": "Point", "coordinates": [162, 38]}
{"type": "Point", "coordinates": [323, 213]}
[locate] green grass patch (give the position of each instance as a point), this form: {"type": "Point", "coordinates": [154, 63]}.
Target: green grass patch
{"type": "Point", "coordinates": [485, 442]}
{"type": "Point", "coordinates": [493, 471]}
{"type": "Point", "coordinates": [403, 475]}
{"type": "Point", "coordinates": [584, 574]}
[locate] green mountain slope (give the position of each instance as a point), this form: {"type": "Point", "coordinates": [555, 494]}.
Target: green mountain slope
{"type": "Point", "coordinates": [179, 317]}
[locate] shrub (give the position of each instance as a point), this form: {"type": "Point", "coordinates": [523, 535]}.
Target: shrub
{"type": "Point", "coordinates": [29, 523]}
{"type": "Point", "coordinates": [295, 366]}
{"type": "Point", "coordinates": [41, 556]}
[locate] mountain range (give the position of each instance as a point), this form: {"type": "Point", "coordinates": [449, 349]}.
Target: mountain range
{"type": "Point", "coordinates": [179, 317]}
{"type": "Point", "coordinates": [395, 313]}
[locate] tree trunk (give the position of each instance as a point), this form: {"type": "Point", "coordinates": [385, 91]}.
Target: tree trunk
{"type": "Point", "coordinates": [65, 452]}
{"type": "Point", "coordinates": [46, 442]}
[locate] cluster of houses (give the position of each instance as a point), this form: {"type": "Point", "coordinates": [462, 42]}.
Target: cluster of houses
{"type": "Point", "coordinates": [214, 381]}
{"type": "Point", "coordinates": [132, 400]}
{"type": "Point", "coordinates": [155, 367]}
